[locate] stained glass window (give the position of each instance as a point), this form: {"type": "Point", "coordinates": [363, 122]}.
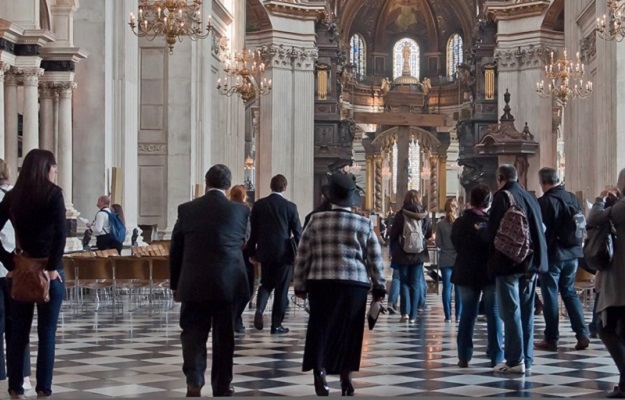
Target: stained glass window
{"type": "Point", "coordinates": [454, 54]}
{"type": "Point", "coordinates": [358, 54]}
{"type": "Point", "coordinates": [414, 165]}
{"type": "Point", "coordinates": [394, 160]}
{"type": "Point", "coordinates": [398, 57]}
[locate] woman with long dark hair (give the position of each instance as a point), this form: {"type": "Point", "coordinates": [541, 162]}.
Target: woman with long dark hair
{"type": "Point", "coordinates": [447, 258]}
{"type": "Point", "coordinates": [36, 209]}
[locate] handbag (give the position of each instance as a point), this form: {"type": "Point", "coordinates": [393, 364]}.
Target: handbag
{"type": "Point", "coordinates": [599, 247]}
{"type": "Point", "coordinates": [29, 281]}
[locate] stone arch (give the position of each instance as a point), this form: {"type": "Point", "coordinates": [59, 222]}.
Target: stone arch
{"type": "Point", "coordinates": [426, 139]}
{"type": "Point", "coordinates": [256, 17]}
{"type": "Point", "coordinates": [554, 17]}
{"type": "Point", "coordinates": [45, 16]}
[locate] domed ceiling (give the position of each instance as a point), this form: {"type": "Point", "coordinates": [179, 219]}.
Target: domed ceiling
{"type": "Point", "coordinates": [430, 22]}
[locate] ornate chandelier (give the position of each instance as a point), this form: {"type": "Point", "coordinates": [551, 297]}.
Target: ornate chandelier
{"type": "Point", "coordinates": [244, 76]}
{"type": "Point", "coordinates": [172, 19]}
{"type": "Point", "coordinates": [612, 28]}
{"type": "Point", "coordinates": [567, 80]}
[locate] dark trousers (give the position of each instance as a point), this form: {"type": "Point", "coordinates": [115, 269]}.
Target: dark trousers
{"type": "Point", "coordinates": [612, 333]}
{"type": "Point", "coordinates": [242, 304]}
{"type": "Point", "coordinates": [278, 277]}
{"type": "Point", "coordinates": [105, 242]}
{"type": "Point", "coordinates": [47, 320]}
{"type": "Point", "coordinates": [5, 329]}
{"type": "Point", "coordinates": [196, 321]}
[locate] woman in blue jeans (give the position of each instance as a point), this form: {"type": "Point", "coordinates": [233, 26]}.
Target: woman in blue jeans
{"type": "Point", "coordinates": [410, 262]}
{"type": "Point", "coordinates": [447, 258]}
{"type": "Point", "coordinates": [36, 209]}
{"type": "Point", "coordinates": [470, 240]}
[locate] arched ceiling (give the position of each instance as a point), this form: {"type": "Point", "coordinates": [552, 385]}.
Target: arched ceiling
{"type": "Point", "coordinates": [429, 21]}
{"type": "Point", "coordinates": [256, 17]}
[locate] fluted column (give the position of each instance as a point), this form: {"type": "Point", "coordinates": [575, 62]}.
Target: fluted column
{"type": "Point", "coordinates": [10, 120]}
{"type": "Point", "coordinates": [64, 156]}
{"type": "Point", "coordinates": [30, 138]}
{"type": "Point", "coordinates": [403, 139]}
{"type": "Point", "coordinates": [3, 67]}
{"type": "Point", "coordinates": [46, 113]}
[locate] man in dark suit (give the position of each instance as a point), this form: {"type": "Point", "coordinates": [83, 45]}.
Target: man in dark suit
{"type": "Point", "coordinates": [274, 219]}
{"type": "Point", "coordinates": [208, 276]}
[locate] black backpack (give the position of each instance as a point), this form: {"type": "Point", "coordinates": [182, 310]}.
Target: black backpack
{"type": "Point", "coordinates": [571, 229]}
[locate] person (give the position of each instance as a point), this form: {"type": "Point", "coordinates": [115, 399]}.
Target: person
{"type": "Point", "coordinates": [410, 264]}
{"type": "Point", "coordinates": [36, 209]}
{"type": "Point", "coordinates": [208, 277]}
{"type": "Point", "coordinates": [7, 237]}
{"type": "Point", "coordinates": [101, 226]}
{"type": "Point", "coordinates": [274, 220]}
{"type": "Point", "coordinates": [516, 283]}
{"type": "Point", "coordinates": [447, 258]}
{"type": "Point", "coordinates": [117, 209]}
{"type": "Point", "coordinates": [470, 275]}
{"type": "Point", "coordinates": [339, 258]}
{"type": "Point", "coordinates": [238, 194]}
{"type": "Point", "coordinates": [609, 282]}
{"type": "Point", "coordinates": [556, 205]}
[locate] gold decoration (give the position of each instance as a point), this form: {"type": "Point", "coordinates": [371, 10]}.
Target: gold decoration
{"type": "Point", "coordinates": [567, 80]}
{"type": "Point", "coordinates": [612, 27]}
{"type": "Point", "coordinates": [244, 76]}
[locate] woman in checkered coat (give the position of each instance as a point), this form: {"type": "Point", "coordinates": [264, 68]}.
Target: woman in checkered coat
{"type": "Point", "coordinates": [338, 260]}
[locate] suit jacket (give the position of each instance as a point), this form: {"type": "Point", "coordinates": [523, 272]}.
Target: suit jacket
{"type": "Point", "coordinates": [206, 261]}
{"type": "Point", "coordinates": [274, 219]}
{"type": "Point", "coordinates": [500, 265]}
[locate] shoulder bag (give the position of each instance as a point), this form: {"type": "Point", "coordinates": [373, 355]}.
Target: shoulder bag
{"type": "Point", "coordinates": [29, 281]}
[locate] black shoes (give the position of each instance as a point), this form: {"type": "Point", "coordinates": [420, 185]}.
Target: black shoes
{"type": "Point", "coordinates": [229, 392]}
{"type": "Point", "coordinates": [321, 386]}
{"type": "Point", "coordinates": [194, 391]}
{"type": "Point", "coordinates": [258, 320]}
{"type": "Point", "coordinates": [546, 345]}
{"type": "Point", "coordinates": [281, 330]}
{"type": "Point", "coordinates": [347, 388]}
{"type": "Point", "coordinates": [617, 393]}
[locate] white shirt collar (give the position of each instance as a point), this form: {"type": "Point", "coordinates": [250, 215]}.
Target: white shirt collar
{"type": "Point", "coordinates": [278, 193]}
{"type": "Point", "coordinates": [335, 207]}
{"type": "Point", "coordinates": [218, 190]}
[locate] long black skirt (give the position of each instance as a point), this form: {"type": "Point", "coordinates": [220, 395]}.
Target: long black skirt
{"type": "Point", "coordinates": [335, 327]}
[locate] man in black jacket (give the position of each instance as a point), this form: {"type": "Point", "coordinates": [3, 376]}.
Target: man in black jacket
{"type": "Point", "coordinates": [273, 221]}
{"type": "Point", "coordinates": [516, 283]}
{"type": "Point", "coordinates": [558, 207]}
{"type": "Point", "coordinates": [208, 276]}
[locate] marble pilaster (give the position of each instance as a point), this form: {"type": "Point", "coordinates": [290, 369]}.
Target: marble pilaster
{"type": "Point", "coordinates": [46, 115]}
{"type": "Point", "coordinates": [3, 67]}
{"type": "Point", "coordinates": [10, 120]}
{"type": "Point", "coordinates": [30, 138]}
{"type": "Point", "coordinates": [65, 148]}
{"type": "Point", "coordinates": [403, 139]}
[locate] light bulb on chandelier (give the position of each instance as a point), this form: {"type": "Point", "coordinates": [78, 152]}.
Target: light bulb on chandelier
{"type": "Point", "coordinates": [612, 25]}
{"type": "Point", "coordinates": [566, 79]}
{"type": "Point", "coordinates": [244, 76]}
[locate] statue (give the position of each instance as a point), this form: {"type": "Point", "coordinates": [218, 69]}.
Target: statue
{"type": "Point", "coordinates": [426, 85]}
{"type": "Point", "coordinates": [386, 86]}
{"type": "Point", "coordinates": [405, 51]}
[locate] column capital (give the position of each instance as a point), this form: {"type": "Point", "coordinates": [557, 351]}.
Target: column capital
{"type": "Point", "coordinates": [3, 68]}
{"type": "Point", "coordinates": [29, 76]}
{"type": "Point", "coordinates": [304, 59]}
{"type": "Point", "coordinates": [65, 89]}
{"type": "Point", "coordinates": [46, 90]}
{"type": "Point", "coordinates": [276, 56]}
{"type": "Point", "coordinates": [532, 56]}
{"type": "Point", "coordinates": [10, 78]}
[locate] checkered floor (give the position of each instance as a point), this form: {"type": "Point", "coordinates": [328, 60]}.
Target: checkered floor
{"type": "Point", "coordinates": [138, 354]}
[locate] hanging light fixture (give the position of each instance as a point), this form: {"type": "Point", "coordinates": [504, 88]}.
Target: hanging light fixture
{"type": "Point", "coordinates": [612, 26]}
{"type": "Point", "coordinates": [244, 76]}
{"type": "Point", "coordinates": [567, 80]}
{"type": "Point", "coordinates": [171, 19]}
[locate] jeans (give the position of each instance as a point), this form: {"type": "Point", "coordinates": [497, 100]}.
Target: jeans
{"type": "Point", "coordinates": [47, 319]}
{"type": "Point", "coordinates": [5, 329]}
{"type": "Point", "coordinates": [593, 327]}
{"type": "Point", "coordinates": [561, 278]}
{"type": "Point", "coordinates": [470, 300]}
{"type": "Point", "coordinates": [447, 285]}
{"type": "Point", "coordinates": [393, 293]}
{"type": "Point", "coordinates": [410, 289]}
{"type": "Point", "coordinates": [515, 300]}
{"type": "Point", "coordinates": [423, 286]}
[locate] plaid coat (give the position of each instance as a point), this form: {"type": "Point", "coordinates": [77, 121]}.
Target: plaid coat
{"type": "Point", "coordinates": [342, 246]}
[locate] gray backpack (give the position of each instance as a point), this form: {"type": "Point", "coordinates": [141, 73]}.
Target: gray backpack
{"type": "Point", "coordinates": [412, 236]}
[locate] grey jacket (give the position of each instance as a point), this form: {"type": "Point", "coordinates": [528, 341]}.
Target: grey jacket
{"type": "Point", "coordinates": [447, 252]}
{"type": "Point", "coordinates": [610, 282]}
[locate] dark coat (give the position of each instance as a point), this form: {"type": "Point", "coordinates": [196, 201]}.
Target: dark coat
{"type": "Point", "coordinates": [274, 220]}
{"type": "Point", "coordinates": [399, 256]}
{"type": "Point", "coordinates": [472, 248]}
{"type": "Point", "coordinates": [205, 256]}
{"type": "Point", "coordinates": [500, 265]}
{"type": "Point", "coordinates": [554, 214]}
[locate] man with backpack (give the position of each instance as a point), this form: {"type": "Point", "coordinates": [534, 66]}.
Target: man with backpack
{"type": "Point", "coordinates": [565, 224]}
{"type": "Point", "coordinates": [107, 228]}
{"type": "Point", "coordinates": [518, 252]}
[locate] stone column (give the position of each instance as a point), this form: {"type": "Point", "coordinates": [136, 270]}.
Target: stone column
{"type": "Point", "coordinates": [442, 181]}
{"type": "Point", "coordinates": [3, 67]}
{"type": "Point", "coordinates": [10, 121]}
{"type": "Point", "coordinates": [369, 188]}
{"type": "Point", "coordinates": [46, 114]}
{"type": "Point", "coordinates": [30, 138]}
{"type": "Point", "coordinates": [403, 140]}
{"type": "Point", "coordinates": [64, 156]}
{"type": "Point", "coordinates": [379, 192]}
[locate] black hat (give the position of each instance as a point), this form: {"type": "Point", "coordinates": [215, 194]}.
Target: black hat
{"type": "Point", "coordinates": [342, 190]}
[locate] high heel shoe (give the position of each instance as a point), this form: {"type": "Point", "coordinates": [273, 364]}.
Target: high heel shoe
{"type": "Point", "coordinates": [321, 386]}
{"type": "Point", "coordinates": [347, 388]}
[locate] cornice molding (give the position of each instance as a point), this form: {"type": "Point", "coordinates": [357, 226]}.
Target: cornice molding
{"type": "Point", "coordinates": [522, 57]}
{"type": "Point", "coordinates": [290, 9]}
{"type": "Point", "coordinates": [515, 10]}
{"type": "Point", "coordinates": [279, 56]}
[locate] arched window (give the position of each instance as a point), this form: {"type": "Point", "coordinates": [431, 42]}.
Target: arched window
{"type": "Point", "coordinates": [357, 55]}
{"type": "Point", "coordinates": [454, 54]}
{"type": "Point", "coordinates": [414, 165]}
{"type": "Point", "coordinates": [399, 50]}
